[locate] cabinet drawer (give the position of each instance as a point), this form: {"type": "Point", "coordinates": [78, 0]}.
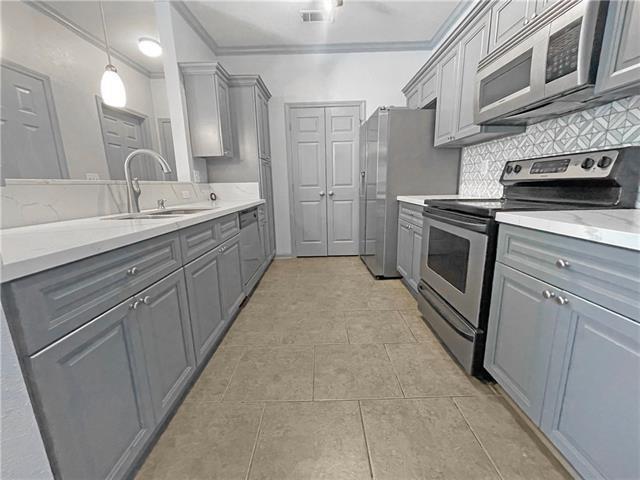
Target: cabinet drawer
{"type": "Point", "coordinates": [411, 213]}
{"type": "Point", "coordinates": [48, 305]}
{"type": "Point", "coordinates": [199, 239]}
{"type": "Point", "coordinates": [605, 275]}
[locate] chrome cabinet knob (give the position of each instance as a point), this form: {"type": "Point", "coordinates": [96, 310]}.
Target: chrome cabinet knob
{"type": "Point", "coordinates": [562, 263]}
{"type": "Point", "coordinates": [548, 294]}
{"type": "Point", "coordinates": [132, 271]}
{"type": "Point", "coordinates": [562, 300]}
{"type": "Point", "coordinates": [331, 194]}
{"type": "Point", "coordinates": [146, 300]}
{"type": "Point", "coordinates": [321, 193]}
{"type": "Point", "coordinates": [133, 305]}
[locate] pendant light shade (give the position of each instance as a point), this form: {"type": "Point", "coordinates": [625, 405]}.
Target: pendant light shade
{"type": "Point", "coordinates": [111, 85]}
{"type": "Point", "coordinates": [112, 88]}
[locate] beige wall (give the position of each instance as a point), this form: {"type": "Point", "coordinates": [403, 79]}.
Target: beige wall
{"type": "Point", "coordinates": [374, 77]}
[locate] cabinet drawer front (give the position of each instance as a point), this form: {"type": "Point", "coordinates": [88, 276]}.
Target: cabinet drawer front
{"type": "Point", "coordinates": [411, 213]}
{"type": "Point", "coordinates": [198, 240]}
{"type": "Point", "coordinates": [606, 275]}
{"type": "Point", "coordinates": [50, 304]}
{"type": "Point", "coordinates": [228, 226]}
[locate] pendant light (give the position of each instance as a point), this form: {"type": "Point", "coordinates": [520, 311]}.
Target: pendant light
{"type": "Point", "coordinates": [111, 85]}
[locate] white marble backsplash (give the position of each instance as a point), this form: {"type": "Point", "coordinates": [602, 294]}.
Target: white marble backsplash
{"type": "Point", "coordinates": [612, 125]}
{"type": "Point", "coordinates": [44, 201]}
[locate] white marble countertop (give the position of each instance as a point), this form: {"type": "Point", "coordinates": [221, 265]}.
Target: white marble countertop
{"type": "Point", "coordinates": [419, 199]}
{"type": "Point", "coordinates": [35, 248]}
{"type": "Point", "coordinates": [620, 228]}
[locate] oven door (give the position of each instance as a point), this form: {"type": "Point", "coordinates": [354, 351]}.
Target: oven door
{"type": "Point", "coordinates": [454, 249]}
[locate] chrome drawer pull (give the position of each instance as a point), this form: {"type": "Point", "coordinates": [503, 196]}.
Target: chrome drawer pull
{"type": "Point", "coordinates": [146, 300]}
{"type": "Point", "coordinates": [134, 305]}
{"type": "Point", "coordinates": [132, 271]}
{"type": "Point", "coordinates": [562, 300]}
{"type": "Point", "coordinates": [562, 263]}
{"type": "Point", "coordinates": [548, 294]}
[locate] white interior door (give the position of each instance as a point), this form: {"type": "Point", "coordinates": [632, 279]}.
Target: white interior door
{"type": "Point", "coordinates": [325, 175]}
{"type": "Point", "coordinates": [342, 143]}
{"type": "Point", "coordinates": [309, 180]}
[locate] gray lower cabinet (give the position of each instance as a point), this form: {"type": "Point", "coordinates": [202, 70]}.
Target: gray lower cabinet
{"type": "Point", "coordinates": [231, 291]}
{"type": "Point", "coordinates": [520, 332]}
{"type": "Point", "coordinates": [165, 327]}
{"type": "Point", "coordinates": [416, 257]}
{"type": "Point", "coordinates": [205, 305]}
{"type": "Point", "coordinates": [620, 61]}
{"type": "Point", "coordinates": [94, 397]}
{"type": "Point", "coordinates": [405, 249]}
{"type": "Point", "coordinates": [572, 366]}
{"type": "Point", "coordinates": [409, 244]}
{"type": "Point", "coordinates": [592, 409]}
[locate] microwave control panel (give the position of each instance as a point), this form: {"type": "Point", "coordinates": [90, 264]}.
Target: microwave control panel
{"type": "Point", "coordinates": [562, 54]}
{"type": "Point", "coordinates": [566, 167]}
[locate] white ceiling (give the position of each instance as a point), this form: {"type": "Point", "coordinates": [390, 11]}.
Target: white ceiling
{"type": "Point", "coordinates": [250, 26]}
{"type": "Point", "coordinates": [126, 22]}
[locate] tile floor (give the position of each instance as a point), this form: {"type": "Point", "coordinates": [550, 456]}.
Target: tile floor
{"type": "Point", "coordinates": [329, 374]}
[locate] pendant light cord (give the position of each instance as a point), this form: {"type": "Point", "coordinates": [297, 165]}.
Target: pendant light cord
{"type": "Point", "coordinates": [106, 36]}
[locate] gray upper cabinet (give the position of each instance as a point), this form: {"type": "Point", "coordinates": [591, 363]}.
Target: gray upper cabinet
{"type": "Point", "coordinates": [264, 142]}
{"type": "Point", "coordinates": [93, 394]}
{"type": "Point", "coordinates": [231, 291]}
{"type": "Point", "coordinates": [541, 6]}
{"type": "Point", "coordinates": [592, 414]}
{"type": "Point", "coordinates": [163, 316]}
{"type": "Point", "coordinates": [507, 18]}
{"type": "Point", "coordinates": [519, 337]}
{"type": "Point", "coordinates": [413, 98]}
{"type": "Point", "coordinates": [205, 306]}
{"type": "Point", "coordinates": [208, 109]}
{"type": "Point", "coordinates": [429, 87]}
{"type": "Point", "coordinates": [620, 60]}
{"type": "Point", "coordinates": [447, 94]}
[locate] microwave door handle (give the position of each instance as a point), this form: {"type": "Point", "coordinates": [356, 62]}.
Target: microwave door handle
{"type": "Point", "coordinates": [475, 227]}
{"type": "Point", "coordinates": [587, 38]}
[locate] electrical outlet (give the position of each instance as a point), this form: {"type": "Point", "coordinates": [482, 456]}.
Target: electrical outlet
{"type": "Point", "coordinates": [186, 194]}
{"type": "Point", "coordinates": [93, 176]}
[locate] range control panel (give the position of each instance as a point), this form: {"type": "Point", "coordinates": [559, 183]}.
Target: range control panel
{"type": "Point", "coordinates": [563, 167]}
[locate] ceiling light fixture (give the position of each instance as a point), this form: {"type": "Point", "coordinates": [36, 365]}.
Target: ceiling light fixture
{"type": "Point", "coordinates": [149, 47]}
{"type": "Point", "coordinates": [111, 85]}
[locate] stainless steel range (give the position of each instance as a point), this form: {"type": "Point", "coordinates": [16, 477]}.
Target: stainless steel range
{"type": "Point", "coordinates": [459, 236]}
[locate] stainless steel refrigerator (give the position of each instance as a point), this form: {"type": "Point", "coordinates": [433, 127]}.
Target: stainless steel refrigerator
{"type": "Point", "coordinates": [397, 157]}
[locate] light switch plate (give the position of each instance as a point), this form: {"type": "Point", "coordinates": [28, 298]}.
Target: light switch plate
{"type": "Point", "coordinates": [186, 194]}
{"type": "Point", "coordinates": [93, 176]}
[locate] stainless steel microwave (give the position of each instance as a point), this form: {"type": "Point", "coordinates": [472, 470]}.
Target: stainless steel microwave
{"type": "Point", "coordinates": [549, 73]}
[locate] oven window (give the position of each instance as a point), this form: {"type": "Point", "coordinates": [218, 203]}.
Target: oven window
{"type": "Point", "coordinates": [448, 256]}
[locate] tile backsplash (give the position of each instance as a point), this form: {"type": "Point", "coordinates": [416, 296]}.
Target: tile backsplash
{"type": "Point", "coordinates": [612, 125]}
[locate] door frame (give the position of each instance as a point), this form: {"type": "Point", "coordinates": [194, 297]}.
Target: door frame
{"type": "Point", "coordinates": [288, 107]}
{"type": "Point", "coordinates": [53, 114]}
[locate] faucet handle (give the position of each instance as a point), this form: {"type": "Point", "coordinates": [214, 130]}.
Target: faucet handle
{"type": "Point", "coordinates": [135, 185]}
{"type": "Point", "coordinates": [162, 203]}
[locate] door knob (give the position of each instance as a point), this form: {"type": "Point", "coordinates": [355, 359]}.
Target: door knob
{"type": "Point", "coordinates": [331, 193]}
{"type": "Point", "coordinates": [321, 193]}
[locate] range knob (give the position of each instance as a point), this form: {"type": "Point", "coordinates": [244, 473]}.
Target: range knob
{"type": "Point", "coordinates": [588, 163]}
{"type": "Point", "coordinates": [517, 169]}
{"type": "Point", "coordinates": [509, 169]}
{"type": "Point", "coordinates": [604, 162]}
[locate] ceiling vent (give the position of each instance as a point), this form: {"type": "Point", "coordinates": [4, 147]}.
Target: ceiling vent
{"type": "Point", "coordinates": [316, 16]}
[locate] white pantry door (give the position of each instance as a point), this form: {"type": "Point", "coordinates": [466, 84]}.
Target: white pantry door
{"type": "Point", "coordinates": [324, 153]}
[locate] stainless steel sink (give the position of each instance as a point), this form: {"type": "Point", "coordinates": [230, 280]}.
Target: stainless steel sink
{"type": "Point", "coordinates": [163, 213]}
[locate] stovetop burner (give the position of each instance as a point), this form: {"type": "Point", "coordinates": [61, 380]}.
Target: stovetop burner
{"type": "Point", "coordinates": [489, 207]}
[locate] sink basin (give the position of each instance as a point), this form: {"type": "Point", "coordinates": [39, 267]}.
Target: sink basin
{"type": "Point", "coordinates": [164, 213]}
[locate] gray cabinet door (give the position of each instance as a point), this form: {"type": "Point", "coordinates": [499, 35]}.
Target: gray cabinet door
{"type": "Point", "coordinates": [473, 47]}
{"type": "Point", "coordinates": [205, 306]}
{"type": "Point", "coordinates": [92, 390]}
{"type": "Point", "coordinates": [231, 292]}
{"type": "Point", "coordinates": [620, 59]}
{"type": "Point", "coordinates": [405, 250]}
{"type": "Point", "coordinates": [429, 87]}
{"type": "Point", "coordinates": [447, 96]}
{"type": "Point", "coordinates": [264, 142]}
{"type": "Point", "coordinates": [222, 90]}
{"type": "Point", "coordinates": [507, 17]}
{"type": "Point", "coordinates": [163, 316]}
{"type": "Point", "coordinates": [266, 187]}
{"type": "Point", "coordinates": [592, 413]}
{"type": "Point", "coordinates": [519, 337]}
{"type": "Point", "coordinates": [415, 261]}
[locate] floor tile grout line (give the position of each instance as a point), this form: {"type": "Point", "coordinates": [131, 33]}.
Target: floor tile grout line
{"type": "Point", "coordinates": [366, 441]}
{"type": "Point", "coordinates": [384, 345]}
{"type": "Point", "coordinates": [255, 443]}
{"type": "Point", "coordinates": [477, 437]}
{"type": "Point", "coordinates": [408, 326]}
{"type": "Point", "coordinates": [235, 368]}
{"type": "Point", "coordinates": [313, 376]}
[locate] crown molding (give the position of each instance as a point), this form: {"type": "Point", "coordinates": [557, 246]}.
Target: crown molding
{"type": "Point", "coordinates": [46, 9]}
{"type": "Point", "coordinates": [195, 24]}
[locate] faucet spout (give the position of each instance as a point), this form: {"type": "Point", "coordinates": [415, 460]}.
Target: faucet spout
{"type": "Point", "coordinates": [133, 187]}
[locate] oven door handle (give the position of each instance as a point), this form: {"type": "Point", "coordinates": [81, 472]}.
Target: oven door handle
{"type": "Point", "coordinates": [458, 327]}
{"type": "Point", "coordinates": [473, 226]}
